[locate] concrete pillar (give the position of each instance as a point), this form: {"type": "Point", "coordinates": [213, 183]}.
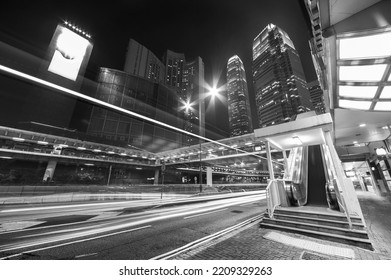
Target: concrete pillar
{"type": "Point", "coordinates": [156, 180]}
{"type": "Point", "coordinates": [49, 172]}
{"type": "Point", "coordinates": [109, 176]}
{"type": "Point", "coordinates": [269, 160]}
{"type": "Point", "coordinates": [209, 182]}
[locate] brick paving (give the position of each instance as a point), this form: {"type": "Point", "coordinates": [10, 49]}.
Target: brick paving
{"type": "Point", "coordinates": [249, 243]}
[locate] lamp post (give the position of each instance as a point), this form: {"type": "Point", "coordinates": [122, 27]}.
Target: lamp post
{"type": "Point", "coordinates": [212, 91]}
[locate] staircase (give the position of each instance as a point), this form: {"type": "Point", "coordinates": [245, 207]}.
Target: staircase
{"type": "Point", "coordinates": [323, 225]}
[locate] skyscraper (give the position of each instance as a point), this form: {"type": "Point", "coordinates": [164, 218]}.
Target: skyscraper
{"type": "Point", "coordinates": [175, 63]}
{"type": "Point", "coordinates": [140, 61]}
{"type": "Point", "coordinates": [280, 87]}
{"type": "Point", "coordinates": [239, 112]}
{"type": "Point", "coordinates": [142, 96]}
{"type": "Point", "coordinates": [317, 98]}
{"type": "Point", "coordinates": [187, 79]}
{"type": "Point", "coordinates": [192, 91]}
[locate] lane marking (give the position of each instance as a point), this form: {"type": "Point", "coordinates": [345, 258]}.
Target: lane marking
{"type": "Point", "coordinates": [67, 243]}
{"type": "Point", "coordinates": [85, 255]}
{"type": "Point", "coordinates": [189, 217]}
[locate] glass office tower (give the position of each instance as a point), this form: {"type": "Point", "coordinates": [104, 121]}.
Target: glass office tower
{"type": "Point", "coordinates": [239, 112]}
{"type": "Point", "coordinates": [280, 87]}
{"type": "Point", "coordinates": [317, 98]}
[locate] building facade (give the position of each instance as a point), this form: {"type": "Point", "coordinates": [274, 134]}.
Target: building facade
{"type": "Point", "coordinates": [141, 96]}
{"type": "Point", "coordinates": [280, 87]}
{"type": "Point", "coordinates": [140, 61]}
{"type": "Point", "coordinates": [316, 94]}
{"type": "Point", "coordinates": [192, 93]}
{"type": "Point", "coordinates": [239, 112]}
{"type": "Point", "coordinates": [187, 79]}
{"type": "Point", "coordinates": [174, 67]}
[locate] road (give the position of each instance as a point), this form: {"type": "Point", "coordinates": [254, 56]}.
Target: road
{"type": "Point", "coordinates": [120, 230]}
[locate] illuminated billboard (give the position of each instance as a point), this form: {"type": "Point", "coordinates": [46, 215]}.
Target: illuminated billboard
{"type": "Point", "coordinates": [69, 53]}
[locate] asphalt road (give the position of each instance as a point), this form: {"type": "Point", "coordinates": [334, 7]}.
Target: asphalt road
{"type": "Point", "coordinates": [119, 230]}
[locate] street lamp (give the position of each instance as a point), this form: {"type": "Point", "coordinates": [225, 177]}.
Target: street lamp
{"type": "Point", "coordinates": [187, 105]}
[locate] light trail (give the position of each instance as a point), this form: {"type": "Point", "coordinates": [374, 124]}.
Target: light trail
{"type": "Point", "coordinates": [71, 243]}
{"type": "Point", "coordinates": [208, 213]}
{"type": "Point", "coordinates": [101, 103]}
{"type": "Point", "coordinates": [119, 223]}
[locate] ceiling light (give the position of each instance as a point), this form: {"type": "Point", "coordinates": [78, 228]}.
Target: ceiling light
{"type": "Point", "coordinates": [383, 106]}
{"type": "Point", "coordinates": [297, 141]}
{"type": "Point", "coordinates": [42, 142]}
{"type": "Point", "coordinates": [81, 148]}
{"type": "Point", "coordinates": [386, 92]}
{"type": "Point", "coordinates": [97, 150]}
{"type": "Point", "coordinates": [362, 125]}
{"type": "Point", "coordinates": [357, 91]}
{"type": "Point", "coordinates": [18, 139]}
{"type": "Point", "coordinates": [362, 72]}
{"type": "Point", "coordinates": [381, 151]}
{"type": "Point", "coordinates": [377, 45]}
{"type": "Point", "coordinates": [353, 104]}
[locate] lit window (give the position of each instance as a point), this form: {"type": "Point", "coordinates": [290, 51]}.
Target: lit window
{"type": "Point", "coordinates": [365, 46]}
{"type": "Point", "coordinates": [352, 104]}
{"type": "Point", "coordinates": [383, 106]}
{"type": "Point", "coordinates": [362, 72]}
{"type": "Point", "coordinates": [358, 91]}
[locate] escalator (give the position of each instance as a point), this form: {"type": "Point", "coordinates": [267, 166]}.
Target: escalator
{"type": "Point", "coordinates": [310, 177]}
{"type": "Point", "coordinates": [316, 195]}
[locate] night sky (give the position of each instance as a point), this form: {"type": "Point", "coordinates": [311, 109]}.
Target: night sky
{"type": "Point", "coordinates": [212, 29]}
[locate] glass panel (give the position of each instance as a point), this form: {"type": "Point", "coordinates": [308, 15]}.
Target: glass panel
{"type": "Point", "coordinates": [366, 46]}
{"type": "Point", "coordinates": [362, 72]}
{"type": "Point", "coordinates": [352, 104]}
{"type": "Point", "coordinates": [358, 91]}
{"type": "Point", "coordinates": [383, 106]}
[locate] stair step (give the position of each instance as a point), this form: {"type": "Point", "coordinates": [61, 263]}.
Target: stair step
{"type": "Point", "coordinates": [359, 242]}
{"type": "Point", "coordinates": [317, 221]}
{"type": "Point", "coordinates": [317, 227]}
{"type": "Point", "coordinates": [313, 214]}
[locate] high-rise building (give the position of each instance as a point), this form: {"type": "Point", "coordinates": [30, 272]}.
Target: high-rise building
{"type": "Point", "coordinates": [187, 79]}
{"type": "Point", "coordinates": [280, 87]}
{"type": "Point", "coordinates": [175, 66]}
{"type": "Point", "coordinates": [142, 96]}
{"type": "Point", "coordinates": [239, 112]}
{"type": "Point", "coordinates": [192, 93]}
{"type": "Point", "coordinates": [140, 61]}
{"type": "Point", "coordinates": [317, 98]}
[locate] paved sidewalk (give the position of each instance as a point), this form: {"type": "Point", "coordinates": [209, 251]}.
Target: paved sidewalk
{"type": "Point", "coordinates": [255, 243]}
